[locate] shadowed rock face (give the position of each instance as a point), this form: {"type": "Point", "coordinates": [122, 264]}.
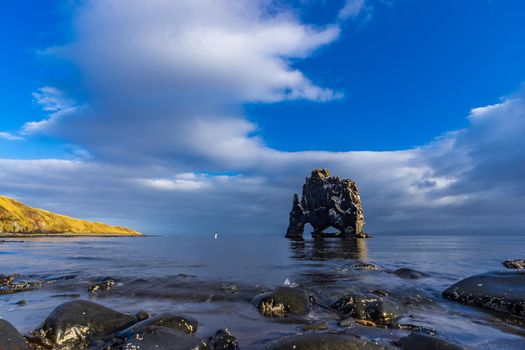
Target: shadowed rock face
{"type": "Point", "coordinates": [502, 292]}
{"type": "Point", "coordinates": [327, 202]}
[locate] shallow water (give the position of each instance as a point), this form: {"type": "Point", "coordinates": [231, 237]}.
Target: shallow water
{"type": "Point", "coordinates": [214, 279]}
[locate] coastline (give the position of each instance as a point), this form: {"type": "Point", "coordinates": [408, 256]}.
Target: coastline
{"type": "Point", "coordinates": [67, 235]}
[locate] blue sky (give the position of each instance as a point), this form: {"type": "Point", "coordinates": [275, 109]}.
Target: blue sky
{"type": "Point", "coordinates": [227, 98]}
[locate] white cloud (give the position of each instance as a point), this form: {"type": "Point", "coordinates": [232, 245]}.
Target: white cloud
{"type": "Point", "coordinates": [351, 9]}
{"type": "Point", "coordinates": [195, 48]}
{"type": "Point", "coordinates": [9, 136]}
{"type": "Point", "coordinates": [53, 101]}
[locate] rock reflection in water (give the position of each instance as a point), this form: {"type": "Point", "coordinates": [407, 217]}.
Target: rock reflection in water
{"type": "Point", "coordinates": [329, 249]}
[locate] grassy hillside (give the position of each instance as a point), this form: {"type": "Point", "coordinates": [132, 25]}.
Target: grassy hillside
{"type": "Point", "coordinates": [16, 217]}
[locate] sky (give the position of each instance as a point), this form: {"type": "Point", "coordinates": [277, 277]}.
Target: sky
{"type": "Point", "coordinates": [196, 116]}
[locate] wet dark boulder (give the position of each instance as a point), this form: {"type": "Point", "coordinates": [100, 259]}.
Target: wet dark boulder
{"type": "Point", "coordinates": [514, 263]}
{"type": "Point", "coordinates": [409, 273]}
{"type": "Point", "coordinates": [224, 340]}
{"type": "Point", "coordinates": [10, 338]}
{"type": "Point", "coordinates": [416, 341]}
{"type": "Point", "coordinates": [327, 202]}
{"type": "Point", "coordinates": [502, 292]}
{"type": "Point", "coordinates": [282, 301]}
{"type": "Point", "coordinates": [76, 324]}
{"type": "Point", "coordinates": [367, 307]}
{"type": "Point", "coordinates": [14, 283]}
{"type": "Point", "coordinates": [159, 338]}
{"type": "Point", "coordinates": [102, 285]}
{"type": "Point", "coordinates": [180, 323]}
{"type": "Point", "coordinates": [324, 341]}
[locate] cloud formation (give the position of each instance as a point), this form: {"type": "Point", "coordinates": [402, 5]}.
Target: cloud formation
{"type": "Point", "coordinates": [9, 136]}
{"type": "Point", "coordinates": [351, 9]}
{"type": "Point", "coordinates": [161, 116]}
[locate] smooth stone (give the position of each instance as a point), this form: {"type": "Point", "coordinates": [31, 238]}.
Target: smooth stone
{"type": "Point", "coordinates": [503, 292]}
{"type": "Point", "coordinates": [10, 338]}
{"type": "Point", "coordinates": [282, 301]}
{"type": "Point", "coordinates": [425, 342]}
{"type": "Point", "coordinates": [160, 338]}
{"type": "Point", "coordinates": [514, 263]}
{"type": "Point", "coordinates": [76, 323]}
{"type": "Point", "coordinates": [180, 323]}
{"type": "Point", "coordinates": [324, 341]}
{"type": "Point", "coordinates": [366, 307]}
{"type": "Point", "coordinates": [409, 273]}
{"type": "Point", "coordinates": [224, 340]}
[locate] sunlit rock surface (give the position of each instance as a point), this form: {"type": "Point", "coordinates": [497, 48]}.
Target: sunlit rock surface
{"type": "Point", "coordinates": [327, 202]}
{"type": "Point", "coordinates": [18, 218]}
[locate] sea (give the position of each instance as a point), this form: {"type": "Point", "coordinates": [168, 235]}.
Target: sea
{"type": "Point", "coordinates": [213, 279]}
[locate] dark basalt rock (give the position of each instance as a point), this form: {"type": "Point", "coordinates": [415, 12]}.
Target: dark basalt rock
{"type": "Point", "coordinates": [424, 342]}
{"type": "Point", "coordinates": [514, 263]}
{"type": "Point", "coordinates": [503, 292]}
{"type": "Point", "coordinates": [159, 338]}
{"type": "Point", "coordinates": [283, 301]}
{"type": "Point", "coordinates": [409, 273]}
{"type": "Point", "coordinates": [327, 202]}
{"type": "Point", "coordinates": [324, 341]}
{"type": "Point", "coordinates": [14, 283]}
{"type": "Point", "coordinates": [102, 285]}
{"type": "Point", "coordinates": [224, 340]}
{"type": "Point", "coordinates": [181, 323]}
{"type": "Point", "coordinates": [367, 307]}
{"type": "Point", "coordinates": [73, 325]}
{"type": "Point", "coordinates": [10, 338]}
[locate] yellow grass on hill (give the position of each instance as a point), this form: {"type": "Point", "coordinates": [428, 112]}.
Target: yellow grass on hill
{"type": "Point", "coordinates": [18, 218]}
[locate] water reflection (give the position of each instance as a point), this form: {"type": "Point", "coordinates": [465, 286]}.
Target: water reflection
{"type": "Point", "coordinates": [329, 249]}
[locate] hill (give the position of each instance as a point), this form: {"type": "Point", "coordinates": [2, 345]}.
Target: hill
{"type": "Point", "coordinates": [18, 218]}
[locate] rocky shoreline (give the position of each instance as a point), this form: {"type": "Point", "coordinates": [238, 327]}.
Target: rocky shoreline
{"type": "Point", "coordinates": [347, 316]}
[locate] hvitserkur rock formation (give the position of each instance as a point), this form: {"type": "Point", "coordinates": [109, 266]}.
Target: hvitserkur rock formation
{"type": "Point", "coordinates": [327, 202]}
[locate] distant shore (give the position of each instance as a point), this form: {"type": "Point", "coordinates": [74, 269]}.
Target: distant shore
{"type": "Point", "coordinates": [65, 235]}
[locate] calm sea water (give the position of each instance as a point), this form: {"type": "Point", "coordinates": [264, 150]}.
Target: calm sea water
{"type": "Point", "coordinates": [214, 279]}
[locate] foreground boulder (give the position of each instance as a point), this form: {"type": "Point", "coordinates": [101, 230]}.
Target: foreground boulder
{"type": "Point", "coordinates": [324, 341]}
{"type": "Point", "coordinates": [502, 292]}
{"type": "Point", "coordinates": [367, 307]}
{"type": "Point", "coordinates": [416, 341]}
{"type": "Point", "coordinates": [327, 202]}
{"type": "Point", "coordinates": [10, 339]}
{"type": "Point", "coordinates": [180, 323]}
{"type": "Point", "coordinates": [159, 338]}
{"type": "Point", "coordinates": [283, 301]}
{"type": "Point", "coordinates": [75, 324]}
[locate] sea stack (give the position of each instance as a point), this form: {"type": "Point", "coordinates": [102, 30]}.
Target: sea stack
{"type": "Point", "coordinates": [327, 202]}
